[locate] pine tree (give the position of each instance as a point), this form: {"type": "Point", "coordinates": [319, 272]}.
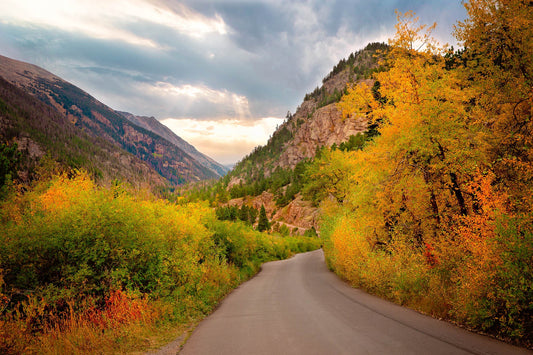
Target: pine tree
{"type": "Point", "coordinates": [263, 224]}
{"type": "Point", "coordinates": [243, 213]}
{"type": "Point", "coordinates": [252, 215]}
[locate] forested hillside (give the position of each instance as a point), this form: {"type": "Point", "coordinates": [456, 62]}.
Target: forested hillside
{"type": "Point", "coordinates": [31, 130]}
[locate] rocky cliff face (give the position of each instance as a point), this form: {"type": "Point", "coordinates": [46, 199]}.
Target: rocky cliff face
{"type": "Point", "coordinates": [325, 127]}
{"type": "Point", "coordinates": [297, 214]}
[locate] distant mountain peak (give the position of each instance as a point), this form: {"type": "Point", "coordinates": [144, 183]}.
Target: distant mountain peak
{"type": "Point", "coordinates": [152, 124]}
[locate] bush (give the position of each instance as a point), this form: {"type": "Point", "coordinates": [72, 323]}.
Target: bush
{"type": "Point", "coordinates": [69, 247]}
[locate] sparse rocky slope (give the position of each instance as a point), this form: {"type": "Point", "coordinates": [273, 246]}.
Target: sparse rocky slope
{"type": "Point", "coordinates": [99, 121]}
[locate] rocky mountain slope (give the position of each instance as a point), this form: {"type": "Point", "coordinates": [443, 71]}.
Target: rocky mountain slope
{"type": "Point", "coordinates": [99, 121]}
{"type": "Point", "coordinates": [39, 129]}
{"type": "Point", "coordinates": [316, 123]}
{"type": "Point", "coordinates": [153, 125]}
{"type": "Point", "coordinates": [324, 127]}
{"type": "Point", "coordinates": [271, 174]}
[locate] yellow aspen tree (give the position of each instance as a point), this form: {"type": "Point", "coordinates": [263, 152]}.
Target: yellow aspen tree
{"type": "Point", "coordinates": [425, 141]}
{"type": "Point", "coordinates": [495, 284]}
{"type": "Point", "coordinates": [498, 41]}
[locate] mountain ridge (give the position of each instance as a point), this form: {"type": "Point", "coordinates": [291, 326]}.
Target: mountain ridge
{"type": "Point", "coordinates": [152, 124]}
{"type": "Point", "coordinates": [96, 119]}
{"type": "Point", "coordinates": [316, 123]}
{"type": "Point", "coordinates": [39, 129]}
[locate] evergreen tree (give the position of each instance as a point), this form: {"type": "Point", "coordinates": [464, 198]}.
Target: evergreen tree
{"type": "Point", "coordinates": [243, 213]}
{"type": "Point", "coordinates": [252, 215]}
{"type": "Point", "coordinates": [263, 223]}
{"type": "Point", "coordinates": [9, 161]}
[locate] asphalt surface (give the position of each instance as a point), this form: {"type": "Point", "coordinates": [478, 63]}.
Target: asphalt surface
{"type": "Point", "coordinates": [297, 306]}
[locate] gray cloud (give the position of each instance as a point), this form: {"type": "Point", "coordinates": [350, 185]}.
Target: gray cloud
{"type": "Point", "coordinates": [245, 59]}
{"type": "Point", "coordinates": [273, 53]}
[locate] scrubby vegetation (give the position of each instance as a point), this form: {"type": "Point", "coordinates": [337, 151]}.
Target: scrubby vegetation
{"type": "Point", "coordinates": [323, 98]}
{"type": "Point", "coordinates": [360, 62]}
{"type": "Point", "coordinates": [91, 269]}
{"type": "Point", "coordinates": [435, 211]}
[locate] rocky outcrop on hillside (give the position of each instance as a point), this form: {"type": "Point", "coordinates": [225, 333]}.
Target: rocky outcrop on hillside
{"type": "Point", "coordinates": [324, 128]}
{"type": "Point", "coordinates": [298, 213]}
{"type": "Point", "coordinates": [265, 199]}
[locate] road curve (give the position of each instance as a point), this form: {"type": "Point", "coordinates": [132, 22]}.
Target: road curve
{"type": "Point", "coordinates": [297, 306]}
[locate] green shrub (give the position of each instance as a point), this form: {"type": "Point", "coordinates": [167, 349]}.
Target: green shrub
{"type": "Point", "coordinates": [69, 245]}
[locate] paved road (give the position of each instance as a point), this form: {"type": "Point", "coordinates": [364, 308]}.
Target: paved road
{"type": "Point", "coordinates": [297, 306]}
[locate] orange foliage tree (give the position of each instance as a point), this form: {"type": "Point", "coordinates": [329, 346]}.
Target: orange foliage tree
{"type": "Point", "coordinates": [436, 211]}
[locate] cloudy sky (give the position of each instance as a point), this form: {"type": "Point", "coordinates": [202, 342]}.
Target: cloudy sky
{"type": "Point", "coordinates": [222, 74]}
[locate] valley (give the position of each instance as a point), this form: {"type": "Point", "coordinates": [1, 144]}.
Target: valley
{"type": "Point", "coordinates": [391, 209]}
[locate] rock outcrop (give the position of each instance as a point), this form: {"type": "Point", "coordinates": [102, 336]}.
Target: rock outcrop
{"type": "Point", "coordinates": [297, 214]}
{"type": "Point", "coordinates": [324, 128]}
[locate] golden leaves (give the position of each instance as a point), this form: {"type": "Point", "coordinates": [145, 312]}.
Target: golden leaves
{"type": "Point", "coordinates": [439, 205]}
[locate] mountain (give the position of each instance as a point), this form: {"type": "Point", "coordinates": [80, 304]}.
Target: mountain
{"type": "Point", "coordinates": [38, 129]}
{"type": "Point", "coordinates": [153, 125]}
{"type": "Point", "coordinates": [316, 123]}
{"type": "Point", "coordinates": [272, 174]}
{"type": "Point", "coordinates": [99, 121]}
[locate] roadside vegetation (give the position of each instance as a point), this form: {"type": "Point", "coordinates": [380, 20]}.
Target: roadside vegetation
{"type": "Point", "coordinates": [435, 212]}
{"type": "Point", "coordinates": [430, 208]}
{"type": "Point", "coordinates": [89, 269]}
